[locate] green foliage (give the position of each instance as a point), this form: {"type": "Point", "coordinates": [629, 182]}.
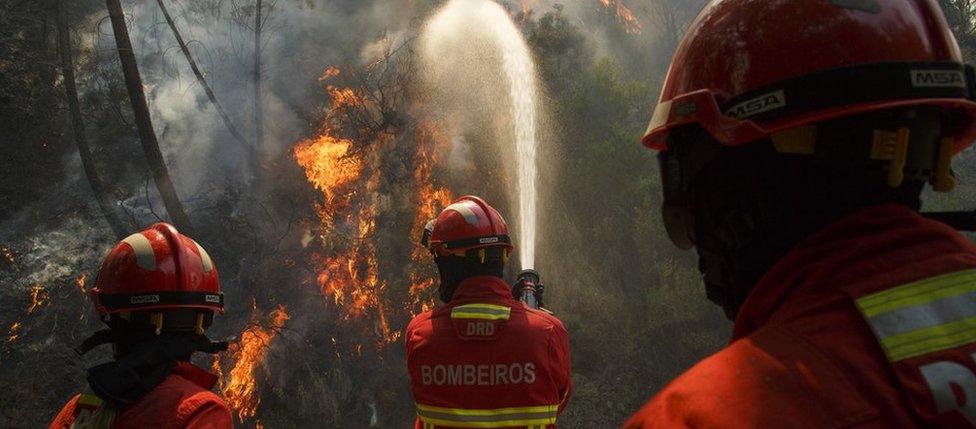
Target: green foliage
{"type": "Point", "coordinates": [632, 291]}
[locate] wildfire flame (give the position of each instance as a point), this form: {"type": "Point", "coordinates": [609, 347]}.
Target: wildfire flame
{"type": "Point", "coordinates": [13, 332]}
{"type": "Point", "coordinates": [39, 298]}
{"type": "Point", "coordinates": [80, 282]}
{"type": "Point", "coordinates": [626, 16]}
{"type": "Point", "coordinates": [239, 389]}
{"type": "Point", "coordinates": [527, 6]}
{"type": "Point", "coordinates": [7, 254]}
{"type": "Point", "coordinates": [332, 169]}
{"type": "Point", "coordinates": [347, 174]}
{"type": "Point", "coordinates": [430, 200]}
{"type": "Point", "coordinates": [329, 73]}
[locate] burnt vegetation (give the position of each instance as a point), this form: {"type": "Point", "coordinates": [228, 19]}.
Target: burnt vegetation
{"type": "Point", "coordinates": [306, 160]}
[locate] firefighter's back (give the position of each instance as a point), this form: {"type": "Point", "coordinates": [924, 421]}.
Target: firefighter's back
{"type": "Point", "coordinates": [485, 360]}
{"type": "Point", "coordinates": [867, 324]}
{"type": "Point", "coordinates": [182, 401]}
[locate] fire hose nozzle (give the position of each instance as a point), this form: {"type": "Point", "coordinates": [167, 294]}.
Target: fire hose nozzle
{"type": "Point", "coordinates": [529, 275]}
{"type": "Point", "coordinates": [528, 288]}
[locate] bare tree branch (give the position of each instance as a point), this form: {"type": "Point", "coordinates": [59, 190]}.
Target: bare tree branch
{"type": "Point", "coordinates": [71, 94]}
{"type": "Point", "coordinates": [200, 78]}
{"type": "Point", "coordinates": [140, 108]}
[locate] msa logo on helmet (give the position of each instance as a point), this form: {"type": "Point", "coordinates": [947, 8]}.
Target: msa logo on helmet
{"type": "Point", "coordinates": [144, 299]}
{"type": "Point", "coordinates": [938, 79]}
{"type": "Point", "coordinates": [212, 298]}
{"type": "Point", "coordinates": [488, 240]}
{"type": "Point", "coordinates": [761, 104]}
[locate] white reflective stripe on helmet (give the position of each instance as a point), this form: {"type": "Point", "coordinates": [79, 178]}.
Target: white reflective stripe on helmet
{"type": "Point", "coordinates": [142, 248]}
{"type": "Point", "coordinates": [464, 208]}
{"type": "Point", "coordinates": [204, 258]}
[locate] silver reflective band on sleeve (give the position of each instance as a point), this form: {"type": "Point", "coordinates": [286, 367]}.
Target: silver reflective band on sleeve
{"type": "Point", "coordinates": [481, 311]}
{"type": "Point", "coordinates": [488, 418]}
{"type": "Point", "coordinates": [923, 317]}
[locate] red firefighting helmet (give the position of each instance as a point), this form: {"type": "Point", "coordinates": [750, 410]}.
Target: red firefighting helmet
{"type": "Point", "coordinates": [747, 69]}
{"type": "Point", "coordinates": [157, 269]}
{"type": "Point", "coordinates": [469, 223]}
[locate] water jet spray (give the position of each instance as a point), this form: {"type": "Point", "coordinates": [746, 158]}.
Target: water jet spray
{"type": "Point", "coordinates": [465, 25]}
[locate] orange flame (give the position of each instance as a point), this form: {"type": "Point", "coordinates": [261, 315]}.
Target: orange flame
{"type": "Point", "coordinates": [626, 16]}
{"type": "Point", "coordinates": [527, 6]}
{"type": "Point", "coordinates": [39, 298]}
{"type": "Point", "coordinates": [348, 175]}
{"type": "Point", "coordinates": [7, 254]}
{"type": "Point", "coordinates": [80, 282]}
{"type": "Point", "coordinates": [329, 73]}
{"type": "Point", "coordinates": [12, 332]}
{"type": "Point", "coordinates": [430, 200]}
{"type": "Point", "coordinates": [248, 353]}
{"type": "Point", "coordinates": [332, 169]}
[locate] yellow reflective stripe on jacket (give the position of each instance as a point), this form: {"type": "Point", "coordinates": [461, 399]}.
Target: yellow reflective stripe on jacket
{"type": "Point", "coordinates": [488, 418]}
{"type": "Point", "coordinates": [481, 311]}
{"type": "Point", "coordinates": [923, 317]}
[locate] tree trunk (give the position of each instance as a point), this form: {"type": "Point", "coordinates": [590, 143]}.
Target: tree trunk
{"type": "Point", "coordinates": [71, 94]}
{"type": "Point", "coordinates": [150, 146]}
{"type": "Point", "coordinates": [200, 79]}
{"type": "Point", "coordinates": [258, 111]}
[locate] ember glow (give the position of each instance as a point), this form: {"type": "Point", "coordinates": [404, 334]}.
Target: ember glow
{"type": "Point", "coordinates": [39, 298]}
{"type": "Point", "coordinates": [247, 354]}
{"type": "Point", "coordinates": [13, 332]}
{"type": "Point", "coordinates": [527, 6]}
{"type": "Point", "coordinates": [80, 283]}
{"type": "Point", "coordinates": [7, 254]}
{"type": "Point", "coordinates": [626, 16]}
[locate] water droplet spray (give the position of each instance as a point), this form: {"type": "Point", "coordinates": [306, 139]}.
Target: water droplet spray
{"type": "Point", "coordinates": [474, 21]}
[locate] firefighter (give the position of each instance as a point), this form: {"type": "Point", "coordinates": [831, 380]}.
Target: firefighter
{"type": "Point", "coordinates": [794, 139]}
{"type": "Point", "coordinates": [483, 359]}
{"type": "Point", "coordinates": [157, 291]}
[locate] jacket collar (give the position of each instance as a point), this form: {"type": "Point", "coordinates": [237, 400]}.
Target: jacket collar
{"type": "Point", "coordinates": [482, 287]}
{"type": "Point", "coordinates": [867, 244]}
{"type": "Point", "coordinates": [195, 374]}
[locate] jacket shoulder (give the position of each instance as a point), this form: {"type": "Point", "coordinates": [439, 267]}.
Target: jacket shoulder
{"type": "Point", "coordinates": [419, 321]}
{"type": "Point", "coordinates": [545, 318]}
{"type": "Point", "coordinates": [183, 401]}
{"type": "Point", "coordinates": [768, 379]}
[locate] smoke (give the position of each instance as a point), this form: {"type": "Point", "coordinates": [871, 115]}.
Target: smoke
{"type": "Point", "coordinates": [298, 41]}
{"type": "Point", "coordinates": [464, 90]}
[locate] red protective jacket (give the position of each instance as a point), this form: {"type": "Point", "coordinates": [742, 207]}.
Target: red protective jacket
{"type": "Point", "coordinates": [485, 360]}
{"type": "Point", "coordinates": [869, 323]}
{"type": "Point", "coordinates": [182, 401]}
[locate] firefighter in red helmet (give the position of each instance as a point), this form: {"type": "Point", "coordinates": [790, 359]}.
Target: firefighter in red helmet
{"type": "Point", "coordinates": [157, 291]}
{"type": "Point", "coordinates": [795, 139]}
{"type": "Point", "coordinates": [484, 359]}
